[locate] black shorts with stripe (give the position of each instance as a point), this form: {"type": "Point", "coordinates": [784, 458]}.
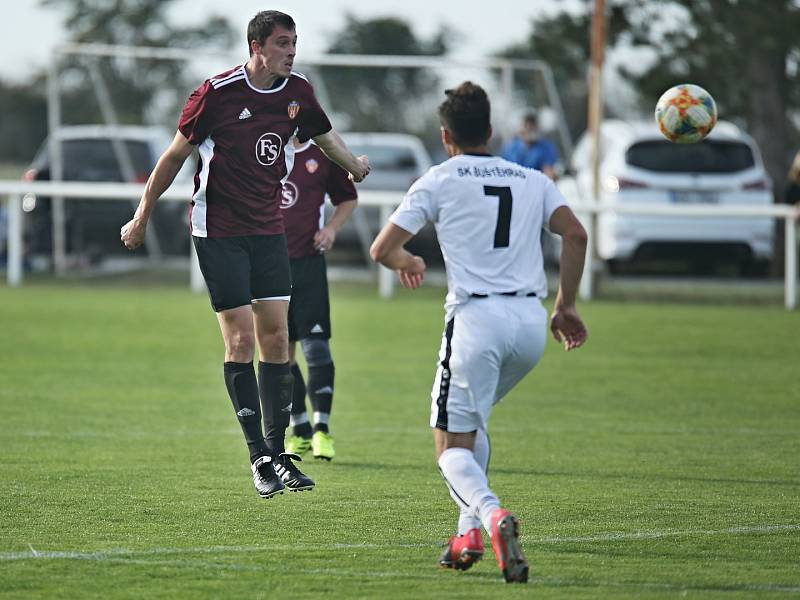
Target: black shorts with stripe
{"type": "Point", "coordinates": [241, 269]}
{"type": "Point", "coordinates": [309, 309]}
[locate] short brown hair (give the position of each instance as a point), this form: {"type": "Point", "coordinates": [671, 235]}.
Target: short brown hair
{"type": "Point", "coordinates": [466, 114]}
{"type": "Point", "coordinates": [263, 24]}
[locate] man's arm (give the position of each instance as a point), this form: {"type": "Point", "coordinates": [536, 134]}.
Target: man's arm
{"type": "Point", "coordinates": [334, 148]}
{"type": "Point", "coordinates": [325, 237]}
{"type": "Point", "coordinates": [167, 167]}
{"type": "Point", "coordinates": [387, 249]}
{"type": "Point", "coordinates": [565, 322]}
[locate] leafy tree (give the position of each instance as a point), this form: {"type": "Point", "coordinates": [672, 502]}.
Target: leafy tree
{"type": "Point", "coordinates": [134, 85]}
{"type": "Point", "coordinates": [745, 52]}
{"type": "Point", "coordinates": [20, 136]}
{"type": "Point", "coordinates": [377, 98]}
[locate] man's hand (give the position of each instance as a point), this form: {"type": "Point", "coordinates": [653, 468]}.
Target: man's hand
{"type": "Point", "coordinates": [324, 239]}
{"type": "Point", "coordinates": [567, 327]}
{"type": "Point", "coordinates": [364, 162]}
{"type": "Point", "coordinates": [411, 277]}
{"type": "Point", "coordinates": [132, 233]}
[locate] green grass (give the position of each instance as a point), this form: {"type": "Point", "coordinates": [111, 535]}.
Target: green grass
{"type": "Point", "coordinates": [661, 459]}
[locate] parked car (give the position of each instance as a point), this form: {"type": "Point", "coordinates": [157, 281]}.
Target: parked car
{"type": "Point", "coordinates": [639, 165]}
{"type": "Point", "coordinates": [397, 160]}
{"type": "Point", "coordinates": [92, 226]}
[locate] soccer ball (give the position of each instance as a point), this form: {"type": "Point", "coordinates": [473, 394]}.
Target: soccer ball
{"type": "Point", "coordinates": [686, 113]}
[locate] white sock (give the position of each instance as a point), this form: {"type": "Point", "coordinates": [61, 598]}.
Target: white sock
{"type": "Point", "coordinates": [468, 483]}
{"type": "Point", "coordinates": [468, 517]}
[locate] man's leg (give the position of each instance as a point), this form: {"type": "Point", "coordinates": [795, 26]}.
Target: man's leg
{"type": "Point", "coordinates": [236, 325]}
{"type": "Point", "coordinates": [321, 372]}
{"type": "Point", "coordinates": [275, 386]}
{"type": "Point", "coordinates": [300, 440]}
{"type": "Point", "coordinates": [468, 518]}
{"type": "Point", "coordinates": [274, 374]}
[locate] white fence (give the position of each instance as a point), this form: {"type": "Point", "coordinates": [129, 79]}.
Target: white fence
{"type": "Point", "coordinates": [16, 190]}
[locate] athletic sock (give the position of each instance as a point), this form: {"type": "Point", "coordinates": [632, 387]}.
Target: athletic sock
{"type": "Point", "coordinates": [275, 389]}
{"type": "Point", "coordinates": [468, 517]}
{"type": "Point", "coordinates": [320, 392]}
{"type": "Point", "coordinates": [299, 417]}
{"type": "Point", "coordinates": [240, 379]}
{"type": "Point", "coordinates": [468, 483]}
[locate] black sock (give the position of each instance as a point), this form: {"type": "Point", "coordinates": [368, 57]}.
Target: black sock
{"type": "Point", "coordinates": [320, 391]}
{"type": "Point", "coordinates": [299, 403]}
{"type": "Point", "coordinates": [275, 388]}
{"type": "Point", "coordinates": [240, 379]}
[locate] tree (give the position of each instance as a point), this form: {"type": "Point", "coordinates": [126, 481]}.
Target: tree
{"type": "Point", "coordinates": [134, 85]}
{"type": "Point", "coordinates": [745, 52]}
{"type": "Point", "coordinates": [21, 135]}
{"type": "Point", "coordinates": [381, 98]}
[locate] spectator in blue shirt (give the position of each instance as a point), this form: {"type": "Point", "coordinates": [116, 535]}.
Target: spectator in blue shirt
{"type": "Point", "coordinates": [530, 149]}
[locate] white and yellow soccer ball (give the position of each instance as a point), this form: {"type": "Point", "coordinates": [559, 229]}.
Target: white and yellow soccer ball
{"type": "Point", "coordinates": [686, 113]}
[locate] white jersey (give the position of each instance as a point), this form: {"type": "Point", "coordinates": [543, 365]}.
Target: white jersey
{"type": "Point", "coordinates": [488, 214]}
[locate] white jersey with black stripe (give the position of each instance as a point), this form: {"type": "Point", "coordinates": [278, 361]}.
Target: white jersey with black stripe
{"type": "Point", "coordinates": [488, 214]}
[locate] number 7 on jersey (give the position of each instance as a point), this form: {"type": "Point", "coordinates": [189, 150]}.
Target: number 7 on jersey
{"type": "Point", "coordinates": [502, 230]}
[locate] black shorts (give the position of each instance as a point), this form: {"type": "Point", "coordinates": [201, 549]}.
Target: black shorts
{"type": "Point", "coordinates": [241, 269]}
{"type": "Point", "coordinates": [309, 309]}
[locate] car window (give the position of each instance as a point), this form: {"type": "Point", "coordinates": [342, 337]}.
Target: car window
{"type": "Point", "coordinates": [94, 160]}
{"type": "Point", "coordinates": [387, 158]}
{"type": "Point", "coordinates": [709, 156]}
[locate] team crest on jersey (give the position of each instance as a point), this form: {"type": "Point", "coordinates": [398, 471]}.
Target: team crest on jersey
{"type": "Point", "coordinates": [268, 148]}
{"type": "Point", "coordinates": [293, 109]}
{"type": "Point", "coordinates": [311, 165]}
{"type": "Point", "coordinates": [289, 195]}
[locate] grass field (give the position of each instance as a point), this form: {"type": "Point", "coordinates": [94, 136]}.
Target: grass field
{"type": "Point", "coordinates": [662, 459]}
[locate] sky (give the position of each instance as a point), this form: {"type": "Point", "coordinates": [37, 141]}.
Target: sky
{"type": "Point", "coordinates": [29, 33]}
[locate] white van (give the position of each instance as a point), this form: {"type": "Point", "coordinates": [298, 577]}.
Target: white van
{"type": "Point", "coordinates": [639, 165]}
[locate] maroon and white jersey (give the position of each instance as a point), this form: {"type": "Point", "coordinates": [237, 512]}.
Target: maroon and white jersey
{"type": "Point", "coordinates": [242, 133]}
{"type": "Point", "coordinates": [313, 177]}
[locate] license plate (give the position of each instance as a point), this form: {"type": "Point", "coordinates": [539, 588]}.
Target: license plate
{"type": "Point", "coordinates": [694, 197]}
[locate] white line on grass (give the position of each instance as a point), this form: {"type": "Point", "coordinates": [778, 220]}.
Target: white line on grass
{"type": "Point", "coordinates": [654, 535]}
{"type": "Point", "coordinates": [127, 554]}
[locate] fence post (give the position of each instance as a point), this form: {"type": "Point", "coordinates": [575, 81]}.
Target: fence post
{"type": "Point", "coordinates": [385, 276]}
{"type": "Point", "coordinates": [15, 250]}
{"type": "Point", "coordinates": [790, 261]}
{"type": "Point", "coordinates": [586, 289]}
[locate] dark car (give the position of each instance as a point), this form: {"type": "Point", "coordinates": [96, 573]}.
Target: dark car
{"type": "Point", "coordinates": [92, 153]}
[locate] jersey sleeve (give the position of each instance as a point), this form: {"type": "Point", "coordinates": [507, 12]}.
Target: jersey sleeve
{"type": "Point", "coordinates": [312, 120]}
{"type": "Point", "coordinates": [339, 187]}
{"type": "Point", "coordinates": [418, 207]}
{"type": "Point", "coordinates": [194, 123]}
{"type": "Point", "coordinates": [553, 199]}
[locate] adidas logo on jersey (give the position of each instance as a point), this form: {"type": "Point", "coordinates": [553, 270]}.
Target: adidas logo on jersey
{"type": "Point", "coordinates": [246, 412]}
{"type": "Point", "coordinates": [245, 114]}
{"type": "Point", "coordinates": [317, 329]}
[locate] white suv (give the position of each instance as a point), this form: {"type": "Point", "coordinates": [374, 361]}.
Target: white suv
{"type": "Point", "coordinates": [639, 165]}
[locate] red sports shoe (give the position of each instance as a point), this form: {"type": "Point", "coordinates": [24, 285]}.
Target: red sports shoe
{"type": "Point", "coordinates": [505, 542]}
{"type": "Point", "coordinates": [462, 551]}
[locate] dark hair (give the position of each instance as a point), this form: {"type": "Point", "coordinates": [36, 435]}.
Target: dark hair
{"type": "Point", "coordinates": [531, 118]}
{"type": "Point", "coordinates": [262, 25]}
{"type": "Point", "coordinates": [465, 113]}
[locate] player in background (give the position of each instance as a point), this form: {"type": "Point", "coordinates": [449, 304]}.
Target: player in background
{"type": "Point", "coordinates": [488, 214]}
{"type": "Point", "coordinates": [241, 122]}
{"type": "Point", "coordinates": [313, 177]}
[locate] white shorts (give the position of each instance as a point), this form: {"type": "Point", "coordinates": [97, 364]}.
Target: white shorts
{"type": "Point", "coordinates": [488, 346]}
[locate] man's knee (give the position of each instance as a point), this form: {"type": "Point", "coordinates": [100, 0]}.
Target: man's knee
{"type": "Point", "coordinates": [240, 345]}
{"type": "Point", "coordinates": [317, 351]}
